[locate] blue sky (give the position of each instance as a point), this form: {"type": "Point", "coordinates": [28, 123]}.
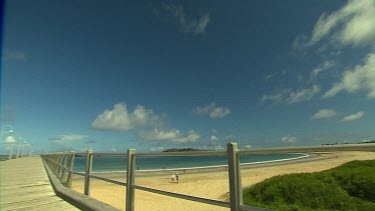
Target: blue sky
{"type": "Point", "coordinates": [153, 75]}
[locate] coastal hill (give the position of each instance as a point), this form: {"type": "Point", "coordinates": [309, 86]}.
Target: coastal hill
{"type": "Point", "coordinates": [181, 150]}
{"type": "Point", "coordinates": [362, 142]}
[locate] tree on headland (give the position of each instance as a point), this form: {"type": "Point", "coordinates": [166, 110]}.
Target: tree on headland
{"type": "Point", "coordinates": [181, 150]}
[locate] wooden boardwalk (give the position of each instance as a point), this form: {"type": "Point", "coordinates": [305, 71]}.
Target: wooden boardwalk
{"type": "Point", "coordinates": [25, 186]}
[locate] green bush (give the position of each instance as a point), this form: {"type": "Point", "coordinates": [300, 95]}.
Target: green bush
{"type": "Point", "coordinates": [357, 178]}
{"type": "Point", "coordinates": [348, 187]}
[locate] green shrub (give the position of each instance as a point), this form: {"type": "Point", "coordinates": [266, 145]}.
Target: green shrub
{"type": "Point", "coordinates": [348, 187]}
{"type": "Point", "coordinates": [357, 178]}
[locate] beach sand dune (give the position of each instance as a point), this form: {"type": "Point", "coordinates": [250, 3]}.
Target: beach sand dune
{"type": "Point", "coordinates": [212, 185]}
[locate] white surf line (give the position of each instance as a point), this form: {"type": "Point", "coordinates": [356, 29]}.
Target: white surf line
{"type": "Point", "coordinates": [106, 172]}
{"type": "Point", "coordinates": [220, 166]}
{"type": "Point", "coordinates": [279, 160]}
{"type": "Point", "coordinates": [209, 167]}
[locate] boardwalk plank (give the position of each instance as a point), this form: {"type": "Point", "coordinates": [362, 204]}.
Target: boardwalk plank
{"type": "Point", "coordinates": [25, 186]}
{"type": "Point", "coordinates": [31, 203]}
{"type": "Point", "coordinates": [25, 189]}
{"type": "Point", "coordinates": [20, 197]}
{"type": "Point", "coordinates": [52, 206]}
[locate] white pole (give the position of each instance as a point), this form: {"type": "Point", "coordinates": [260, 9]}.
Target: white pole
{"type": "Point", "coordinates": [129, 205]}
{"type": "Point", "coordinates": [11, 151]}
{"type": "Point", "coordinates": [235, 187]}
{"type": "Point", "coordinates": [88, 172]}
{"type": "Point", "coordinates": [10, 132]}
{"type": "Point", "coordinates": [18, 150]}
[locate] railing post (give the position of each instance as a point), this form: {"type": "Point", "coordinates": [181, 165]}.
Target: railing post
{"type": "Point", "coordinates": [22, 150]}
{"type": "Point", "coordinates": [64, 166]}
{"type": "Point", "coordinates": [11, 152]}
{"type": "Point", "coordinates": [61, 163]}
{"type": "Point", "coordinates": [130, 180]}
{"type": "Point", "coordinates": [71, 168]}
{"type": "Point", "coordinates": [57, 164]}
{"type": "Point", "coordinates": [18, 151]}
{"type": "Point", "coordinates": [235, 187]}
{"type": "Point", "coordinates": [88, 172]}
{"type": "Point", "coordinates": [52, 158]}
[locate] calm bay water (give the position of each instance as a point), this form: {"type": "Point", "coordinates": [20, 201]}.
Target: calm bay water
{"type": "Point", "coordinates": [115, 164]}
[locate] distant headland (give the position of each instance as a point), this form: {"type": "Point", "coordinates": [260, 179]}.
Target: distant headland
{"type": "Point", "coordinates": [182, 150]}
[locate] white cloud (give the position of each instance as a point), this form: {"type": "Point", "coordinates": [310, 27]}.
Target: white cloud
{"type": "Point", "coordinates": [276, 97]}
{"type": "Point", "coordinates": [362, 77]}
{"type": "Point", "coordinates": [219, 148]}
{"type": "Point", "coordinates": [353, 24]}
{"type": "Point", "coordinates": [172, 135]}
{"type": "Point", "coordinates": [353, 117]}
{"type": "Point", "coordinates": [300, 43]}
{"type": "Point", "coordinates": [289, 139]}
{"type": "Point", "coordinates": [13, 55]}
{"type": "Point", "coordinates": [213, 111]}
{"type": "Point", "coordinates": [320, 68]}
{"type": "Point", "coordinates": [302, 95]}
{"type": "Point", "coordinates": [289, 96]}
{"type": "Point", "coordinates": [249, 146]}
{"type": "Point", "coordinates": [73, 137]}
{"type": "Point", "coordinates": [86, 148]}
{"type": "Point", "coordinates": [229, 137]}
{"type": "Point", "coordinates": [160, 135]}
{"type": "Point", "coordinates": [188, 25]}
{"type": "Point", "coordinates": [156, 149]}
{"type": "Point", "coordinates": [141, 120]}
{"type": "Point", "coordinates": [66, 140]}
{"type": "Point", "coordinates": [365, 140]}
{"type": "Point", "coordinates": [269, 76]}
{"type": "Point", "coordinates": [201, 24]}
{"type": "Point", "coordinates": [213, 140]}
{"type": "Point", "coordinates": [119, 119]}
{"type": "Point", "coordinates": [324, 114]}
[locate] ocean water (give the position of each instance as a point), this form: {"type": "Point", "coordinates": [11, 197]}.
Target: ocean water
{"type": "Point", "coordinates": [118, 164]}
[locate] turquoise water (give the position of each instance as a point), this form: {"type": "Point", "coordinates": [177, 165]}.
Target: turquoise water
{"type": "Point", "coordinates": [118, 164]}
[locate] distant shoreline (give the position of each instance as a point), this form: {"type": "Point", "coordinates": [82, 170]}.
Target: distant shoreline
{"type": "Point", "coordinates": [304, 155]}
{"type": "Point", "coordinates": [201, 183]}
{"type": "Point", "coordinates": [198, 169]}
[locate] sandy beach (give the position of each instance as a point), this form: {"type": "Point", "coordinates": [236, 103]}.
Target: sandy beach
{"type": "Point", "coordinates": [209, 184]}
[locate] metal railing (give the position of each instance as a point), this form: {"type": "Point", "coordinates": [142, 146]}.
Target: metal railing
{"type": "Point", "coordinates": [58, 162]}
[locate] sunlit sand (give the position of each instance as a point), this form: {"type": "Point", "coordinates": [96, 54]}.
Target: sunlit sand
{"type": "Point", "coordinates": [212, 185]}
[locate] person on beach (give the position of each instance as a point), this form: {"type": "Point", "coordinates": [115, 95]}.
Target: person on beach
{"type": "Point", "coordinates": [177, 178]}
{"type": "Point", "coordinates": [172, 177]}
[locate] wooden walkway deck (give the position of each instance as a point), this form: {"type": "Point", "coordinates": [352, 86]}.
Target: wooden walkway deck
{"type": "Point", "coordinates": [25, 186]}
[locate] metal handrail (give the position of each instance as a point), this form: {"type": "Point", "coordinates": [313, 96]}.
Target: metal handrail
{"type": "Point", "coordinates": [58, 163]}
{"type": "Point", "coordinates": [109, 180]}
{"type": "Point", "coordinates": [183, 196]}
{"type": "Point", "coordinates": [79, 173]}
{"type": "Point", "coordinates": [195, 153]}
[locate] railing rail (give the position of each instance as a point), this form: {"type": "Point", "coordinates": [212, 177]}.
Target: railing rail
{"type": "Point", "coordinates": [58, 162]}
